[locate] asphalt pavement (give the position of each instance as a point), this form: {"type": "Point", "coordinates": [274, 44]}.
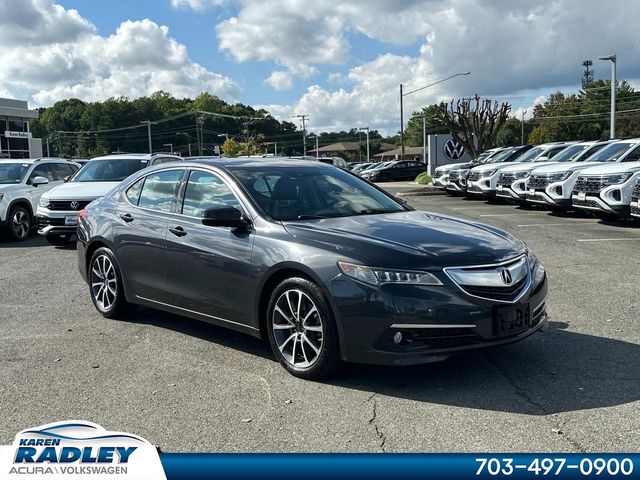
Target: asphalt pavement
{"type": "Point", "coordinates": [188, 386]}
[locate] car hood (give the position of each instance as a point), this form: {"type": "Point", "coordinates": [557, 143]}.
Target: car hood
{"type": "Point", "coordinates": [564, 167]}
{"type": "Point", "coordinates": [451, 166]}
{"type": "Point", "coordinates": [526, 166]}
{"type": "Point", "coordinates": [413, 239]}
{"type": "Point", "coordinates": [81, 190]}
{"type": "Point", "coordinates": [614, 167]}
{"type": "Point", "coordinates": [487, 167]}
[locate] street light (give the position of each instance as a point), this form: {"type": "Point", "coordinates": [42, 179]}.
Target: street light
{"type": "Point", "coordinates": [612, 59]}
{"type": "Point", "coordinates": [524, 112]}
{"type": "Point", "coordinates": [148, 124]}
{"type": "Point", "coordinates": [402, 95]}
{"type": "Point", "coordinates": [366, 129]}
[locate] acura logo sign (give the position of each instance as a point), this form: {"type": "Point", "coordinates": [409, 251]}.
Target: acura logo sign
{"type": "Point", "coordinates": [74, 205]}
{"type": "Point", "coordinates": [453, 150]}
{"type": "Point", "coordinates": [505, 274]}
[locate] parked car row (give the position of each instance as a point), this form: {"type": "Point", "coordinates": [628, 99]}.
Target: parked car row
{"type": "Point", "coordinates": [601, 177]}
{"type": "Point", "coordinates": [390, 171]}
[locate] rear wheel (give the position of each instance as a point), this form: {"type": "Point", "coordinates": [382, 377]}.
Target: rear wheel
{"type": "Point", "coordinates": [58, 239]}
{"type": "Point", "coordinates": [301, 329]}
{"type": "Point", "coordinates": [105, 285]}
{"type": "Point", "coordinates": [20, 223]}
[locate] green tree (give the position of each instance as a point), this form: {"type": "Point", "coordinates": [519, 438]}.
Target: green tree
{"type": "Point", "coordinates": [231, 148]}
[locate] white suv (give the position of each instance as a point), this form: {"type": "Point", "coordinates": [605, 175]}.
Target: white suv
{"type": "Point", "coordinates": [58, 209]}
{"type": "Point", "coordinates": [22, 182]}
{"type": "Point", "coordinates": [441, 173]}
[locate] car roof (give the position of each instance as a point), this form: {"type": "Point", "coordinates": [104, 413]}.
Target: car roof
{"type": "Point", "coordinates": [34, 160]}
{"type": "Point", "coordinates": [251, 162]}
{"type": "Point", "coordinates": [128, 156]}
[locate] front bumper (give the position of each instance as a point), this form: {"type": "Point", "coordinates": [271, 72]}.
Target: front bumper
{"type": "Point", "coordinates": [56, 222]}
{"type": "Point", "coordinates": [513, 191]}
{"type": "Point", "coordinates": [436, 322]}
{"type": "Point", "coordinates": [441, 181]}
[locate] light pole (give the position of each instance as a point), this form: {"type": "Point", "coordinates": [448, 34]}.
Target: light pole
{"type": "Point", "coordinates": [148, 124]}
{"type": "Point", "coordinates": [170, 145]}
{"type": "Point", "coordinates": [304, 119]}
{"type": "Point", "coordinates": [313, 135]}
{"type": "Point", "coordinates": [366, 129]}
{"type": "Point", "coordinates": [402, 95]}
{"type": "Point", "coordinates": [524, 112]}
{"type": "Point", "coordinates": [612, 59]}
{"type": "Point", "coordinates": [199, 124]}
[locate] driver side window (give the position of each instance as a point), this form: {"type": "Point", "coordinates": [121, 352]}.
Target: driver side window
{"type": "Point", "coordinates": [43, 170]}
{"type": "Point", "coordinates": [206, 190]}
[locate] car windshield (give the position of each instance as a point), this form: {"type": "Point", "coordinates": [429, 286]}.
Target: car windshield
{"type": "Point", "coordinates": [612, 152]}
{"type": "Point", "coordinates": [109, 170]}
{"type": "Point", "coordinates": [313, 192]}
{"type": "Point", "coordinates": [530, 155]}
{"type": "Point", "coordinates": [11, 173]}
{"type": "Point", "coordinates": [502, 156]}
{"type": "Point", "coordinates": [570, 153]}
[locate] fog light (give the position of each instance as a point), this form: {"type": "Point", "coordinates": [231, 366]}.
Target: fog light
{"type": "Point", "coordinates": [397, 338]}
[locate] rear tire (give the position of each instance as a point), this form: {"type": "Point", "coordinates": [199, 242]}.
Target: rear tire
{"type": "Point", "coordinates": [58, 239]}
{"type": "Point", "coordinates": [105, 285]}
{"type": "Point", "coordinates": [302, 331]}
{"type": "Point", "coordinates": [19, 225]}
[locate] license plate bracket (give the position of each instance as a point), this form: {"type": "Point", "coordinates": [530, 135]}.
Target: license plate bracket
{"type": "Point", "coordinates": [510, 321]}
{"type": "Point", "coordinates": [582, 195]}
{"type": "Point", "coordinates": [71, 220]}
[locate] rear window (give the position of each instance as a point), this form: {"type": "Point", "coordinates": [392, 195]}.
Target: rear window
{"type": "Point", "coordinates": [109, 170]}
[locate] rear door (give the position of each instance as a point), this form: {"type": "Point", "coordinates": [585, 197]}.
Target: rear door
{"type": "Point", "coordinates": [140, 229]}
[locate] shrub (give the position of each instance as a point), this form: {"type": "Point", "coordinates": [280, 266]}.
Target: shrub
{"type": "Point", "coordinates": [423, 179]}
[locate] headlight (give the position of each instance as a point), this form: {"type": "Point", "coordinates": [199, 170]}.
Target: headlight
{"type": "Point", "coordinates": [618, 178]}
{"type": "Point", "coordinates": [382, 276]}
{"type": "Point", "coordinates": [44, 202]}
{"type": "Point", "coordinates": [531, 258]}
{"type": "Point", "coordinates": [560, 177]}
{"type": "Point", "coordinates": [489, 173]}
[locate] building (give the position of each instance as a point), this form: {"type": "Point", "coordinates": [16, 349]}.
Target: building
{"type": "Point", "coordinates": [410, 153]}
{"type": "Point", "coordinates": [351, 150]}
{"type": "Point", "coordinates": [16, 140]}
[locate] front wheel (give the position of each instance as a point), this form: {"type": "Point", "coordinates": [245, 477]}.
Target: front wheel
{"type": "Point", "coordinates": [58, 239]}
{"type": "Point", "coordinates": [301, 329]}
{"type": "Point", "coordinates": [105, 285]}
{"type": "Point", "coordinates": [20, 223]}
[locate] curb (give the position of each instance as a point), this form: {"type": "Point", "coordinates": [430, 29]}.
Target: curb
{"type": "Point", "coordinates": [423, 192]}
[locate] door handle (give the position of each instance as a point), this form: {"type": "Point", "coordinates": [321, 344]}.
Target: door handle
{"type": "Point", "coordinates": [178, 231]}
{"type": "Point", "coordinates": [127, 217]}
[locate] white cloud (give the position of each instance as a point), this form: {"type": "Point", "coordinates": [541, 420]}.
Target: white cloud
{"type": "Point", "coordinates": [280, 80]}
{"type": "Point", "coordinates": [138, 59]}
{"type": "Point", "coordinates": [198, 5]}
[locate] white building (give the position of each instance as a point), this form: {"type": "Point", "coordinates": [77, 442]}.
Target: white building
{"type": "Point", "coordinates": [15, 137]}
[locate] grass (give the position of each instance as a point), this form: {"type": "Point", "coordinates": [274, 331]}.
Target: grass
{"type": "Point", "coordinates": [423, 179]}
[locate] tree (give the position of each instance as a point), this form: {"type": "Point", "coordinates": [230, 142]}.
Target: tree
{"type": "Point", "coordinates": [473, 122]}
{"type": "Point", "coordinates": [510, 135]}
{"type": "Point", "coordinates": [231, 148]}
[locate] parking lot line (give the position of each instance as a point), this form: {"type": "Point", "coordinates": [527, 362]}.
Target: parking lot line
{"type": "Point", "coordinates": [626, 239]}
{"type": "Point", "coordinates": [508, 214]}
{"type": "Point", "coordinates": [542, 225]}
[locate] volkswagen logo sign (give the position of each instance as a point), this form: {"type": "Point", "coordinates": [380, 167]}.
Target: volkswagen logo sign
{"type": "Point", "coordinates": [453, 150]}
{"type": "Point", "coordinates": [505, 274]}
{"type": "Point", "coordinates": [74, 205]}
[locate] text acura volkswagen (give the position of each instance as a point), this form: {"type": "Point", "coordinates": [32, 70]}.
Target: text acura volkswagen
{"type": "Point", "coordinates": [325, 265]}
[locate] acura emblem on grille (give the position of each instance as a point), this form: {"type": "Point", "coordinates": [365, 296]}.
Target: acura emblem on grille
{"type": "Point", "coordinates": [74, 205]}
{"type": "Point", "coordinates": [505, 274]}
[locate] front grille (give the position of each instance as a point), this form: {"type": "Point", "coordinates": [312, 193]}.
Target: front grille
{"type": "Point", "coordinates": [454, 176]}
{"type": "Point", "coordinates": [534, 198]}
{"type": "Point", "coordinates": [505, 294]}
{"type": "Point", "coordinates": [506, 179]}
{"type": "Point", "coordinates": [66, 205]}
{"type": "Point", "coordinates": [635, 210]}
{"type": "Point", "coordinates": [438, 174]}
{"type": "Point", "coordinates": [636, 190]}
{"type": "Point", "coordinates": [585, 203]}
{"type": "Point", "coordinates": [474, 176]}
{"type": "Point", "coordinates": [538, 182]}
{"type": "Point", "coordinates": [589, 184]}
{"type": "Point", "coordinates": [45, 222]}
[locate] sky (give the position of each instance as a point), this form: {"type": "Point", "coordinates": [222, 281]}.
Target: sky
{"type": "Point", "coordinates": [338, 61]}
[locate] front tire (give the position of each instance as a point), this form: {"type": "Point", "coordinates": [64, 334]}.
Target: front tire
{"type": "Point", "coordinates": [105, 285]}
{"type": "Point", "coordinates": [302, 331]}
{"type": "Point", "coordinates": [57, 239]}
{"type": "Point", "coordinates": [20, 223]}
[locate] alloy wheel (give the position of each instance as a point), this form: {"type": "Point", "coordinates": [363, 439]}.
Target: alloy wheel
{"type": "Point", "coordinates": [297, 328]}
{"type": "Point", "coordinates": [103, 282]}
{"type": "Point", "coordinates": [20, 223]}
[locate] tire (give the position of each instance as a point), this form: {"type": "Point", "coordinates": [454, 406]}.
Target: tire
{"type": "Point", "coordinates": [19, 224]}
{"type": "Point", "coordinates": [306, 343]}
{"type": "Point", "coordinates": [107, 290]}
{"type": "Point", "coordinates": [58, 239]}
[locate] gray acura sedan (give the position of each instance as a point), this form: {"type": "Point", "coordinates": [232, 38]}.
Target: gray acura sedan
{"type": "Point", "coordinates": [324, 264]}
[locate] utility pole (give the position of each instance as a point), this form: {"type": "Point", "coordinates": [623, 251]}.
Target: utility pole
{"type": "Point", "coordinates": [424, 144]}
{"type": "Point", "coordinates": [522, 128]}
{"type": "Point", "coordinates": [613, 59]}
{"type": "Point", "coordinates": [304, 119]}
{"type": "Point", "coordinates": [366, 129]}
{"type": "Point", "coordinates": [401, 125]}
{"type": "Point", "coordinates": [48, 153]}
{"type": "Point", "coordinates": [199, 123]}
{"type": "Point", "coordinates": [148, 124]}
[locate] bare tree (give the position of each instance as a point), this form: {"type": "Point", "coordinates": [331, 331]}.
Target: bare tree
{"type": "Point", "coordinates": [473, 122]}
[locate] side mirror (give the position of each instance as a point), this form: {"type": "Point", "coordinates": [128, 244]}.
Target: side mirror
{"type": "Point", "coordinates": [542, 159]}
{"type": "Point", "coordinates": [37, 181]}
{"type": "Point", "coordinates": [224, 217]}
{"type": "Point", "coordinates": [66, 179]}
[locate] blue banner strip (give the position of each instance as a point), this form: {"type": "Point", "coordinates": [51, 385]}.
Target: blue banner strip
{"type": "Point", "coordinates": [195, 466]}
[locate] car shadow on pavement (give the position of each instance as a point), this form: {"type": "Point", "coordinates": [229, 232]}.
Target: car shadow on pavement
{"type": "Point", "coordinates": [551, 372]}
{"type": "Point", "coordinates": [31, 241]}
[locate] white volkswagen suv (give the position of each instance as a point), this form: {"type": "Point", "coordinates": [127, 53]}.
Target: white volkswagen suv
{"type": "Point", "coordinates": [57, 211]}
{"type": "Point", "coordinates": [441, 173]}
{"type": "Point", "coordinates": [606, 190]}
{"type": "Point", "coordinates": [551, 185]}
{"type": "Point", "coordinates": [512, 180]}
{"type": "Point", "coordinates": [22, 182]}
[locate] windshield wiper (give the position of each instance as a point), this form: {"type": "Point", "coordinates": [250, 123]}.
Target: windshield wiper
{"type": "Point", "coordinates": [373, 211]}
{"type": "Point", "coordinates": [309, 217]}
